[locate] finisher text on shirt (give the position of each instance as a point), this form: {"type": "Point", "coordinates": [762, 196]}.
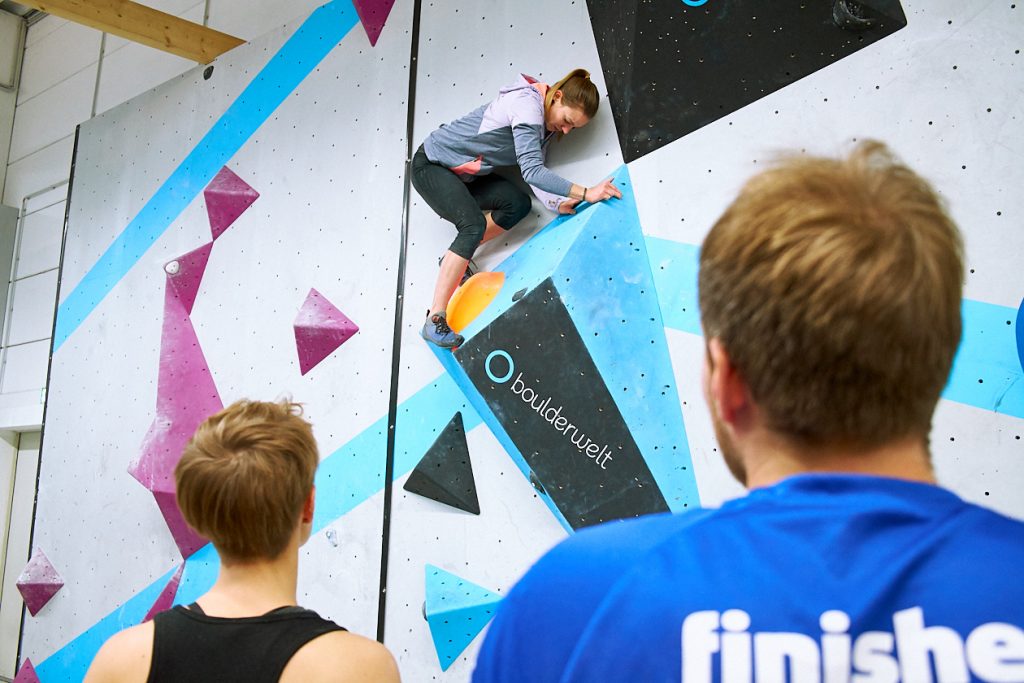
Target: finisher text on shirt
{"type": "Point", "coordinates": [992, 651]}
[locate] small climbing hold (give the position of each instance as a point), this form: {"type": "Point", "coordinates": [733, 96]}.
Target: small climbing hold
{"type": "Point", "coordinates": [849, 15]}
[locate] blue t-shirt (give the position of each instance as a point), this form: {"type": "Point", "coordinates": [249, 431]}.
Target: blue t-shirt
{"type": "Point", "coordinates": [818, 579]}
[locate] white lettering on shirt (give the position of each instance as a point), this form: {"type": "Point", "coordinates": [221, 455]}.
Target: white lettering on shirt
{"type": "Point", "coordinates": [723, 643]}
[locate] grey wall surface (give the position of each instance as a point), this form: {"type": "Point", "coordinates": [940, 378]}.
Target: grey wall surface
{"type": "Point", "coordinates": [329, 167]}
{"type": "Point", "coordinates": [71, 73]}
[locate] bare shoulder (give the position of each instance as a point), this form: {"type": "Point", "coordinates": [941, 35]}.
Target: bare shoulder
{"type": "Point", "coordinates": [341, 657]}
{"type": "Point", "coordinates": [125, 658]}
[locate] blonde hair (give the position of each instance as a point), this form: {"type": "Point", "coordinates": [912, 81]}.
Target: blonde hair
{"type": "Point", "coordinates": [835, 287]}
{"type": "Point", "coordinates": [245, 475]}
{"type": "Point", "coordinates": [578, 91]}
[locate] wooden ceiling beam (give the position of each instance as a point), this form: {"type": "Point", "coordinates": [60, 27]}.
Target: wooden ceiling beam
{"type": "Point", "coordinates": [144, 25]}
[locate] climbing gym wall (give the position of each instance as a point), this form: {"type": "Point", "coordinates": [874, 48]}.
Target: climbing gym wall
{"type": "Point", "coordinates": [439, 552]}
{"type": "Point", "coordinates": [232, 234]}
{"type": "Point", "coordinates": [238, 233]}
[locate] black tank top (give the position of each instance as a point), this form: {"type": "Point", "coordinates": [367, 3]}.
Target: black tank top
{"type": "Point", "coordinates": [188, 645]}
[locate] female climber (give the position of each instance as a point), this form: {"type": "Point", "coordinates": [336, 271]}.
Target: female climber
{"type": "Point", "coordinates": [452, 172]}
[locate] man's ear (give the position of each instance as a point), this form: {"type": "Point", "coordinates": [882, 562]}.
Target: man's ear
{"type": "Point", "coordinates": [727, 391]}
{"type": "Point", "coordinates": [309, 506]}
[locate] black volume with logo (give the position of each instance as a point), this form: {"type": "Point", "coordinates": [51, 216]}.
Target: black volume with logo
{"type": "Point", "coordinates": [533, 369]}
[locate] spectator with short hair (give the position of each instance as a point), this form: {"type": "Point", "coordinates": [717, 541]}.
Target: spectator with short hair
{"type": "Point", "coordinates": [245, 481]}
{"type": "Point", "coordinates": [830, 295]}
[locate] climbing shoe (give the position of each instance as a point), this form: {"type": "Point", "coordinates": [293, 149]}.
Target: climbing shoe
{"type": "Point", "coordinates": [436, 331]}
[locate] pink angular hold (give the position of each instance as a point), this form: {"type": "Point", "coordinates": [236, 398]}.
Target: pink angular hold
{"type": "Point", "coordinates": [372, 15]}
{"type": "Point", "coordinates": [186, 395]}
{"type": "Point", "coordinates": [227, 197]}
{"type": "Point", "coordinates": [166, 598]}
{"type": "Point", "coordinates": [27, 673]}
{"type": "Point", "coordinates": [320, 328]}
{"type": "Point", "coordinates": [185, 274]}
{"type": "Point", "coordinates": [188, 541]}
{"type": "Point", "coordinates": [38, 582]}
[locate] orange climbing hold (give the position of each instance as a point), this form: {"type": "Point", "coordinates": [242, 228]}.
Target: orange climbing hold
{"type": "Point", "coordinates": [472, 298]}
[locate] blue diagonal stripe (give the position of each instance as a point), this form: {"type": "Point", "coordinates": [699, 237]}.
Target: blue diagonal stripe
{"type": "Point", "coordinates": [987, 371]}
{"type": "Point", "coordinates": [346, 478]}
{"type": "Point", "coordinates": [306, 48]}
{"type": "Point", "coordinates": [72, 661]}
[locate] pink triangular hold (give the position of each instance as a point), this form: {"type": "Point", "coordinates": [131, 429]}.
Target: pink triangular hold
{"type": "Point", "coordinates": [227, 197]}
{"type": "Point", "coordinates": [185, 274]}
{"type": "Point", "coordinates": [166, 598]}
{"type": "Point", "coordinates": [38, 582]}
{"type": "Point", "coordinates": [186, 395]}
{"type": "Point", "coordinates": [27, 673]}
{"type": "Point", "coordinates": [188, 541]}
{"type": "Point", "coordinates": [161, 450]}
{"type": "Point", "coordinates": [372, 15]}
{"type": "Point", "coordinates": [320, 328]}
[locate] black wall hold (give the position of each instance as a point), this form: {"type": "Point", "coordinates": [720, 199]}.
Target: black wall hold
{"type": "Point", "coordinates": [445, 473]}
{"type": "Point", "coordinates": [533, 369]}
{"type": "Point", "coordinates": [672, 68]}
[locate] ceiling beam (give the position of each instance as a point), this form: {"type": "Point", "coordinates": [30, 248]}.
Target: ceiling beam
{"type": "Point", "coordinates": [144, 25]}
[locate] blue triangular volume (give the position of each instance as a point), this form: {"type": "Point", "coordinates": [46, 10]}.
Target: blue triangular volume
{"type": "Point", "coordinates": [533, 262]}
{"type": "Point", "coordinates": [599, 263]}
{"type": "Point", "coordinates": [608, 286]}
{"type": "Point", "coordinates": [456, 610]}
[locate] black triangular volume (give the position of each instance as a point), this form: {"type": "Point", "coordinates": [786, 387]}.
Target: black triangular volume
{"type": "Point", "coordinates": [445, 473]}
{"type": "Point", "coordinates": [674, 67]}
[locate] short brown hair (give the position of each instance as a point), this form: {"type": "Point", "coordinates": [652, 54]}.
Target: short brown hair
{"type": "Point", "coordinates": [577, 91]}
{"type": "Point", "coordinates": [244, 476]}
{"type": "Point", "coordinates": [835, 286]}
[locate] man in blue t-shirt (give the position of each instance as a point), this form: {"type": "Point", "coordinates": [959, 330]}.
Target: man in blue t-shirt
{"type": "Point", "coordinates": [830, 299]}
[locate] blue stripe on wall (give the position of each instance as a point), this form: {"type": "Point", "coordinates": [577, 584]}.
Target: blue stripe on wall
{"type": "Point", "coordinates": [199, 576]}
{"type": "Point", "coordinates": [307, 47]}
{"type": "Point", "coordinates": [296, 59]}
{"type": "Point", "coordinates": [346, 478]}
{"type": "Point", "coordinates": [674, 265]}
{"type": "Point", "coordinates": [72, 661]}
{"type": "Point", "coordinates": [987, 371]}
{"type": "Point", "coordinates": [606, 279]}
{"type": "Point", "coordinates": [355, 472]}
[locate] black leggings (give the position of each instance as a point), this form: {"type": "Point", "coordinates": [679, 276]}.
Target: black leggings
{"type": "Point", "coordinates": [464, 204]}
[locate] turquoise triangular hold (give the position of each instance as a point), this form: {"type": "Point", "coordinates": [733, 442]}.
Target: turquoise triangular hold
{"type": "Point", "coordinates": [456, 610]}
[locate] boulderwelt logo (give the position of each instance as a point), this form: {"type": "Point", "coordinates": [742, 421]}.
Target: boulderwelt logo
{"type": "Point", "coordinates": [542, 387]}
{"type": "Point", "coordinates": [546, 407]}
